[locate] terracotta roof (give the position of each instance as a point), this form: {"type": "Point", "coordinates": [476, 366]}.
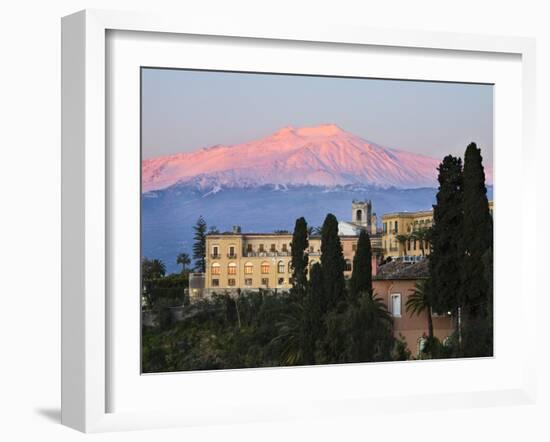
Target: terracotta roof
{"type": "Point", "coordinates": [398, 269]}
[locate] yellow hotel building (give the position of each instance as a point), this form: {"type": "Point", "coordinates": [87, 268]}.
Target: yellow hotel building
{"type": "Point", "coordinates": [406, 223]}
{"type": "Point", "coordinates": [250, 261]}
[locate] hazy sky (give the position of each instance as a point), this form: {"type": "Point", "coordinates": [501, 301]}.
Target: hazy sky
{"type": "Point", "coordinates": [186, 110]}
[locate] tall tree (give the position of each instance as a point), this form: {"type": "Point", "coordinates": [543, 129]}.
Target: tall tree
{"type": "Point", "coordinates": [361, 276]}
{"type": "Point", "coordinates": [477, 292]}
{"type": "Point", "coordinates": [446, 255]}
{"type": "Point", "coordinates": [199, 247]}
{"type": "Point", "coordinates": [183, 260]}
{"type": "Point", "coordinates": [299, 257]}
{"type": "Point", "coordinates": [477, 233]}
{"type": "Point", "coordinates": [332, 264]}
{"type": "Point", "coordinates": [313, 319]}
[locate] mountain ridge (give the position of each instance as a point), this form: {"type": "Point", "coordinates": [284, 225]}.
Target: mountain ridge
{"type": "Point", "coordinates": [323, 155]}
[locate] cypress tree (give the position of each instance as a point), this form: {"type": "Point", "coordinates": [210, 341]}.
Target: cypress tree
{"type": "Point", "coordinates": [446, 255]}
{"type": "Point", "coordinates": [312, 308]}
{"type": "Point", "coordinates": [477, 292]}
{"type": "Point", "coordinates": [332, 264]}
{"type": "Point", "coordinates": [477, 233]}
{"type": "Point", "coordinates": [361, 277]}
{"type": "Point", "coordinates": [199, 247]}
{"type": "Point", "coordinates": [299, 257]}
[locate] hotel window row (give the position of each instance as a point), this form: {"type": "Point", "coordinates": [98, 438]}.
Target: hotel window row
{"type": "Point", "coordinates": [249, 268]}
{"type": "Point", "coordinates": [232, 282]}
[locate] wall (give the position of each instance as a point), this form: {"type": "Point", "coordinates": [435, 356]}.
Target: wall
{"type": "Point", "coordinates": [411, 327]}
{"type": "Point", "coordinates": [30, 183]}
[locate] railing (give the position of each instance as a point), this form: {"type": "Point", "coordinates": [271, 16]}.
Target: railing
{"type": "Point", "coordinates": [266, 254]}
{"type": "Point", "coordinates": [231, 256]}
{"type": "Point", "coordinates": [215, 256]}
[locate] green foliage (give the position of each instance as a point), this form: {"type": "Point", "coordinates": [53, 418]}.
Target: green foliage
{"type": "Point", "coordinates": [477, 271]}
{"type": "Point", "coordinates": [422, 235]}
{"type": "Point", "coordinates": [400, 350]}
{"type": "Point", "coordinates": [462, 255]}
{"type": "Point", "coordinates": [199, 247]}
{"type": "Point", "coordinates": [419, 302]}
{"type": "Point", "coordinates": [183, 260]}
{"type": "Point", "coordinates": [332, 264]}
{"type": "Point", "coordinates": [477, 234]}
{"type": "Point", "coordinates": [222, 332]}
{"type": "Point", "coordinates": [313, 326]}
{"type": "Point", "coordinates": [447, 247]}
{"type": "Point", "coordinates": [152, 268]}
{"type": "Point", "coordinates": [299, 257]}
{"type": "Point", "coordinates": [402, 239]}
{"type": "Point", "coordinates": [360, 332]}
{"type": "Point", "coordinates": [361, 277]}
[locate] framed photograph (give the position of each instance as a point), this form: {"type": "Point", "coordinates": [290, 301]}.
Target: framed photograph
{"type": "Point", "coordinates": [264, 222]}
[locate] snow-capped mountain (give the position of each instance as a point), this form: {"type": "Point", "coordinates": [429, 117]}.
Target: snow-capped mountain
{"type": "Point", "coordinates": [322, 155]}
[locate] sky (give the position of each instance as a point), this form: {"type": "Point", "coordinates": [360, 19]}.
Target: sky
{"type": "Point", "coordinates": [184, 110]}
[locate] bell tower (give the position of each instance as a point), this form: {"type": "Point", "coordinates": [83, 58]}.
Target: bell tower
{"type": "Point", "coordinates": [361, 213]}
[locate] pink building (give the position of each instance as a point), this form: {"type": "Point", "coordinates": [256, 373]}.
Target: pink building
{"type": "Point", "coordinates": [394, 282]}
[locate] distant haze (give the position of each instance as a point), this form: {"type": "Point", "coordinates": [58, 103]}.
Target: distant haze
{"type": "Point", "coordinates": [183, 111]}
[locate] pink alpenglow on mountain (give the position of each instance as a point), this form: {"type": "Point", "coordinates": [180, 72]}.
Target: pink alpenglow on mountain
{"type": "Point", "coordinates": [322, 155]}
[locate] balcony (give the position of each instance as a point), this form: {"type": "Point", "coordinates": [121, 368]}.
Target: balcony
{"type": "Point", "coordinates": [264, 254]}
{"type": "Point", "coordinates": [230, 256]}
{"type": "Point", "coordinates": [215, 256]}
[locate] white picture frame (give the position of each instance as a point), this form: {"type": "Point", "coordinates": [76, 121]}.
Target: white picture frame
{"type": "Point", "coordinates": [86, 316]}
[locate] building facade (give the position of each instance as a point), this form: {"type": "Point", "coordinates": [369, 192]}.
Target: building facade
{"type": "Point", "coordinates": [402, 233]}
{"type": "Point", "coordinates": [394, 283]}
{"type": "Point", "coordinates": [253, 261]}
{"type": "Point", "coordinates": [398, 224]}
{"type": "Point", "coordinates": [247, 261]}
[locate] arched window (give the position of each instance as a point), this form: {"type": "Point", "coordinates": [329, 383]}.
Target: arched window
{"type": "Point", "coordinates": [359, 215]}
{"type": "Point", "coordinates": [289, 266]}
{"type": "Point", "coordinates": [232, 269]}
{"type": "Point", "coordinates": [281, 267]}
{"type": "Point", "coordinates": [265, 268]}
{"type": "Point", "coordinates": [248, 268]}
{"type": "Point", "coordinates": [216, 268]}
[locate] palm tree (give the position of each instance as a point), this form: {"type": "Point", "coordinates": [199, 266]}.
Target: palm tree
{"type": "Point", "coordinates": [311, 230]}
{"type": "Point", "coordinates": [157, 269]}
{"type": "Point", "coordinates": [422, 235]}
{"type": "Point", "coordinates": [291, 335]}
{"type": "Point", "coordinates": [418, 302]}
{"type": "Point", "coordinates": [370, 329]}
{"type": "Point", "coordinates": [402, 239]}
{"type": "Point", "coordinates": [152, 268]}
{"type": "Point", "coordinates": [184, 260]}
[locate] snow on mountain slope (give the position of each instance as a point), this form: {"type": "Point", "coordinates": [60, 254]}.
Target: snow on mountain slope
{"type": "Point", "coordinates": [322, 155]}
